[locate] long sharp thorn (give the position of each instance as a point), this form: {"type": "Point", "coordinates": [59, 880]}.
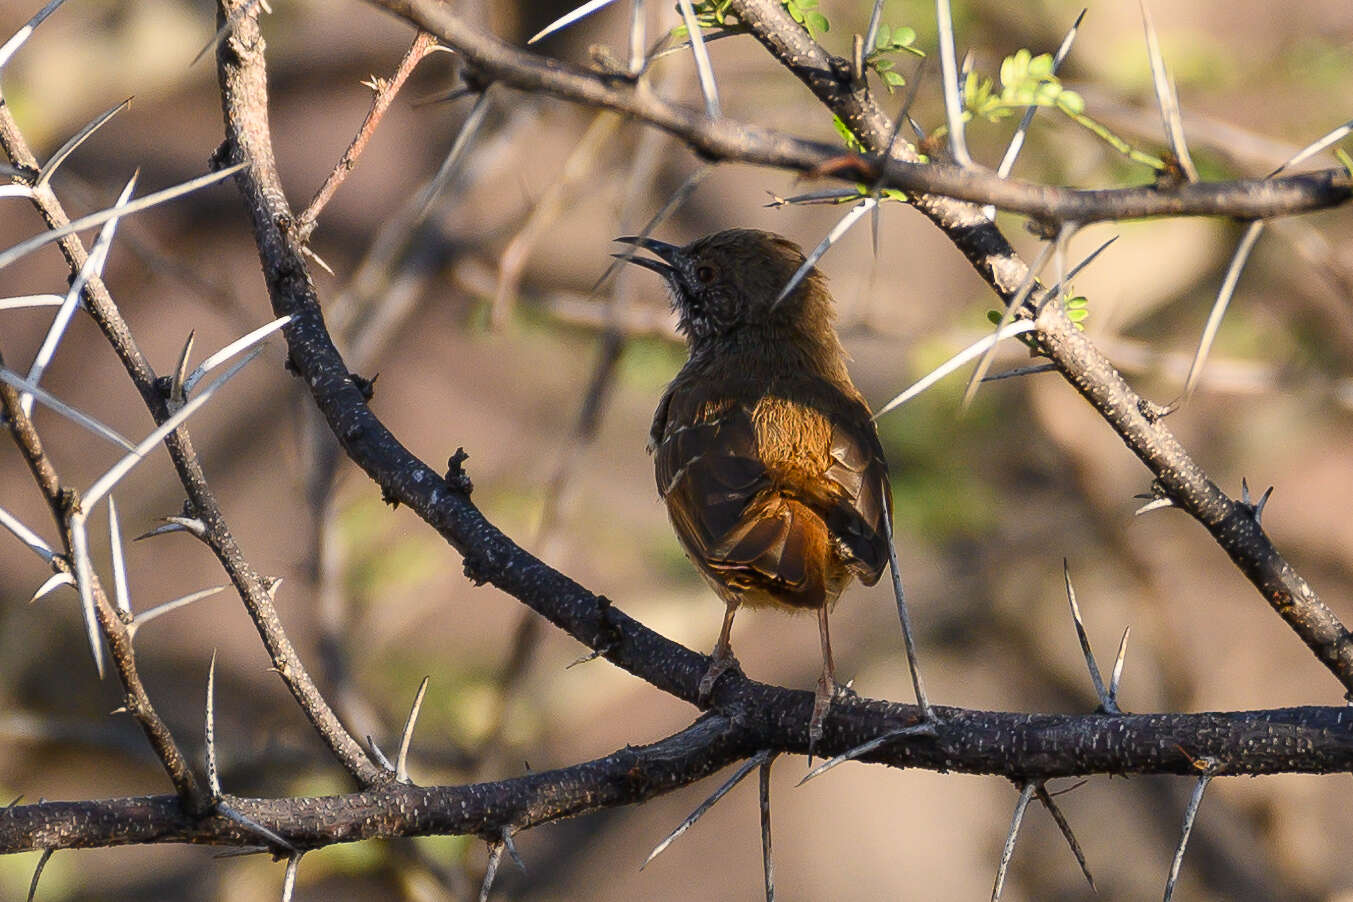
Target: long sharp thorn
{"type": "Point", "coordinates": [49, 400]}
{"type": "Point", "coordinates": [703, 68]}
{"type": "Point", "coordinates": [468, 129]}
{"type": "Point", "coordinates": [512, 850]}
{"type": "Point", "coordinates": [491, 870]}
{"type": "Point", "coordinates": [926, 728]}
{"type": "Point", "coordinates": [402, 760]}
{"type": "Point", "coordinates": [747, 767]}
{"type": "Point", "coordinates": [121, 598]}
{"type": "Point", "coordinates": [1017, 140]}
{"type": "Point", "coordinates": [767, 859]}
{"type": "Point", "coordinates": [104, 483]}
{"type": "Point", "coordinates": [1214, 318]}
{"type": "Point", "coordinates": [1065, 826]}
{"type": "Point", "coordinates": [145, 617]}
{"type": "Point", "coordinates": [225, 30]}
{"type": "Point", "coordinates": [379, 755]}
{"type": "Point", "coordinates": [49, 168]}
{"type": "Point", "coordinates": [23, 248]}
{"type": "Point", "coordinates": [92, 266]}
{"type": "Point", "coordinates": [638, 24]}
{"type": "Point", "coordinates": [973, 350]}
{"type": "Point", "coordinates": [871, 33]}
{"type": "Point", "coordinates": [289, 876]}
{"type": "Point", "coordinates": [31, 300]}
{"type": "Point", "coordinates": [863, 207]}
{"type": "Point", "coordinates": [953, 101]}
{"type": "Point", "coordinates": [37, 873]}
{"type": "Point", "coordinates": [1167, 99]}
{"type": "Point", "coordinates": [1190, 813]}
{"type": "Point", "coordinates": [243, 343]}
{"type": "Point", "coordinates": [177, 386]}
{"type": "Point", "coordinates": [84, 580]}
{"type": "Point", "coordinates": [1021, 371]}
{"type": "Point", "coordinates": [253, 826]}
{"type": "Point", "coordinates": [1259, 506]}
{"type": "Point", "coordinates": [1030, 279]}
{"type": "Point", "coordinates": [1026, 793]}
{"type": "Point", "coordinates": [1316, 147]}
{"type": "Point", "coordinates": [568, 19]}
{"type": "Point", "coordinates": [52, 583]}
{"type": "Point", "coordinates": [1116, 677]}
{"type": "Point", "coordinates": [1157, 504]}
{"type": "Point", "coordinates": [17, 40]}
{"type": "Point", "coordinates": [904, 617]}
{"type": "Point", "coordinates": [26, 535]}
{"type": "Point", "coordinates": [1105, 702]}
{"type": "Point", "coordinates": [213, 775]}
{"type": "Point", "coordinates": [679, 196]}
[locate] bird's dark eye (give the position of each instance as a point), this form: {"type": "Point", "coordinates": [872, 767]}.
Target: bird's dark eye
{"type": "Point", "coordinates": [705, 274]}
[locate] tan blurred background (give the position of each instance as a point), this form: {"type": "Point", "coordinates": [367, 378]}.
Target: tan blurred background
{"type": "Point", "coordinates": [989, 501]}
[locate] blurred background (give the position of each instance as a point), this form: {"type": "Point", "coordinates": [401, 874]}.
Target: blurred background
{"type": "Point", "coordinates": [486, 333]}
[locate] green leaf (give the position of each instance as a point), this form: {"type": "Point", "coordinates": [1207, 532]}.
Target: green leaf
{"type": "Point", "coordinates": [1071, 102]}
{"type": "Point", "coordinates": [881, 66]}
{"type": "Point", "coordinates": [884, 38]}
{"type": "Point", "coordinates": [1040, 66]}
{"type": "Point", "coordinates": [818, 21]}
{"type": "Point", "coordinates": [893, 79]}
{"type": "Point", "coordinates": [903, 36]}
{"type": "Point", "coordinates": [847, 135]}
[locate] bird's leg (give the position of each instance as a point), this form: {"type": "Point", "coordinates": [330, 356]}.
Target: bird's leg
{"type": "Point", "coordinates": [723, 655]}
{"type": "Point", "coordinates": [826, 684]}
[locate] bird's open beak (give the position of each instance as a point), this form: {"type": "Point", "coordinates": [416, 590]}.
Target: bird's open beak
{"type": "Point", "coordinates": [668, 253]}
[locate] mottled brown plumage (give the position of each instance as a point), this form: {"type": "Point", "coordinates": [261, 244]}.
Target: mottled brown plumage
{"type": "Point", "coordinates": [764, 451]}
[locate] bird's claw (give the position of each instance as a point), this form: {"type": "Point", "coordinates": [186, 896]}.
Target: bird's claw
{"type": "Point", "coordinates": [718, 665]}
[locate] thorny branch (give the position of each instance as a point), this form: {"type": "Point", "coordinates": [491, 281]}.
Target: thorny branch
{"type": "Point", "coordinates": [251, 586]}
{"type": "Point", "coordinates": [949, 197]}
{"type": "Point", "coordinates": [748, 717]}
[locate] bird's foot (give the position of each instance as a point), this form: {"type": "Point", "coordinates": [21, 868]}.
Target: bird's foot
{"type": "Point", "coordinates": [828, 690]}
{"type": "Point", "coordinates": [718, 665]}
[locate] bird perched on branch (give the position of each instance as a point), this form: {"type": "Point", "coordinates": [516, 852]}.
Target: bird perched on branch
{"type": "Point", "coordinates": [764, 450]}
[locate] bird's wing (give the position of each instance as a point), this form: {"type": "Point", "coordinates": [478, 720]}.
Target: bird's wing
{"type": "Point", "coordinates": [858, 508]}
{"type": "Point", "coordinates": [708, 471]}
{"type": "Point", "coordinates": [756, 527]}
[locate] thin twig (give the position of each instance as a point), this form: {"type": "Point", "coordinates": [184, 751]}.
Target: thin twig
{"type": "Point", "coordinates": [383, 94]}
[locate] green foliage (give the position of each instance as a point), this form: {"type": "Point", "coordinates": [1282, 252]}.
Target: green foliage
{"type": "Point", "coordinates": [1077, 310]}
{"type": "Point", "coordinates": [1027, 80]}
{"type": "Point", "coordinates": [805, 13]}
{"type": "Point", "coordinates": [715, 14]}
{"type": "Point", "coordinates": [1344, 159]}
{"type": "Point", "coordinates": [708, 14]}
{"type": "Point", "coordinates": [889, 42]}
{"type": "Point", "coordinates": [848, 136]}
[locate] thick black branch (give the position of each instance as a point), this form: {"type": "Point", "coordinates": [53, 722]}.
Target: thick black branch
{"type": "Point", "coordinates": [492, 59]}
{"type": "Point", "coordinates": [1015, 746]}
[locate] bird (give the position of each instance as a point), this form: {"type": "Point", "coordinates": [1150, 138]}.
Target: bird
{"type": "Point", "coordinates": [765, 453]}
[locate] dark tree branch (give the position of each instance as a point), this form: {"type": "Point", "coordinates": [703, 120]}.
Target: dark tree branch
{"type": "Point", "coordinates": [1020, 747]}
{"type": "Point", "coordinates": [1139, 423]}
{"type": "Point", "coordinates": [724, 139]}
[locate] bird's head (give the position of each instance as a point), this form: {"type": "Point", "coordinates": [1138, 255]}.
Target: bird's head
{"type": "Point", "coordinates": [730, 282]}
